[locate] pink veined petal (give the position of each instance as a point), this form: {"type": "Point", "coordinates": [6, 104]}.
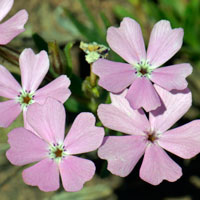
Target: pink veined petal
{"type": "Point", "coordinates": [122, 153]}
{"type": "Point", "coordinates": [25, 147]}
{"type": "Point", "coordinates": [182, 141]}
{"type": "Point", "coordinates": [114, 76]}
{"type": "Point", "coordinates": [44, 174]}
{"type": "Point", "coordinates": [26, 124]}
{"type": "Point", "coordinates": [158, 166]}
{"type": "Point", "coordinates": [13, 27]}
{"type": "Point", "coordinates": [172, 77]}
{"type": "Point", "coordinates": [142, 94]}
{"type": "Point", "coordinates": [84, 136]}
{"type": "Point", "coordinates": [174, 106]}
{"type": "Point", "coordinates": [119, 116]}
{"type": "Point", "coordinates": [127, 41]}
{"type": "Point", "coordinates": [164, 43]}
{"type": "Point", "coordinates": [75, 172]}
{"type": "Point", "coordinates": [9, 111]}
{"type": "Point", "coordinates": [48, 120]}
{"type": "Point", "coordinates": [5, 7]}
{"type": "Point", "coordinates": [57, 89]}
{"type": "Point", "coordinates": [9, 87]}
{"type": "Point", "coordinates": [33, 68]}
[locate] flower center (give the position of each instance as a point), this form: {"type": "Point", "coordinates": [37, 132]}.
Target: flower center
{"type": "Point", "coordinates": [152, 136]}
{"type": "Point", "coordinates": [143, 69]}
{"type": "Point", "coordinates": [25, 98]}
{"type": "Point", "coordinates": [57, 151]}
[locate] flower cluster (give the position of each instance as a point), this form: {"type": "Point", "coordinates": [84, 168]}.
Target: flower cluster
{"type": "Point", "coordinates": [161, 92]}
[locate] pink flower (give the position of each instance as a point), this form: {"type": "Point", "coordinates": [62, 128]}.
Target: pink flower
{"type": "Point", "coordinates": [53, 153]}
{"type": "Point", "coordinates": [149, 137]}
{"type": "Point", "coordinates": [33, 70]}
{"type": "Point", "coordinates": [12, 27]}
{"type": "Point", "coordinates": [127, 41]}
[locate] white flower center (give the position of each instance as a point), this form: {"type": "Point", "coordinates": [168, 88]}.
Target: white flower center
{"type": "Point", "coordinates": [57, 151]}
{"type": "Point", "coordinates": [143, 69]}
{"type": "Point", "coordinates": [25, 98]}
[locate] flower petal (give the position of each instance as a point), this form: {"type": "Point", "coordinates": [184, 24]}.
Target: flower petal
{"type": "Point", "coordinates": [142, 94]}
{"type": "Point", "coordinates": [44, 174]}
{"type": "Point", "coordinates": [9, 111]}
{"type": "Point", "coordinates": [109, 73]}
{"type": "Point", "coordinates": [9, 87]}
{"type": "Point", "coordinates": [174, 106]}
{"type": "Point", "coordinates": [57, 89]}
{"type": "Point", "coordinates": [33, 68]}
{"type": "Point", "coordinates": [119, 116]}
{"type": "Point", "coordinates": [84, 136]}
{"type": "Point", "coordinates": [127, 41]}
{"type": "Point", "coordinates": [164, 43]}
{"type": "Point", "coordinates": [172, 77]}
{"type": "Point", "coordinates": [75, 172]}
{"type": "Point", "coordinates": [122, 153]}
{"type": "Point", "coordinates": [48, 120]}
{"type": "Point", "coordinates": [25, 147]}
{"type": "Point", "coordinates": [158, 166]}
{"type": "Point", "coordinates": [5, 7]}
{"type": "Point", "coordinates": [182, 141]}
{"type": "Point", "coordinates": [13, 27]}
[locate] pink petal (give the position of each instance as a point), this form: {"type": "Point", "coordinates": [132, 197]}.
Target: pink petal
{"type": "Point", "coordinates": [57, 89]}
{"type": "Point", "coordinates": [174, 106]}
{"type": "Point", "coordinates": [183, 141]}
{"type": "Point", "coordinates": [25, 147]}
{"type": "Point", "coordinates": [5, 7]}
{"type": "Point", "coordinates": [109, 73]}
{"type": "Point", "coordinates": [48, 120]}
{"type": "Point", "coordinates": [33, 68]}
{"type": "Point", "coordinates": [127, 41]}
{"type": "Point", "coordinates": [9, 87]}
{"type": "Point", "coordinates": [75, 172]}
{"type": "Point", "coordinates": [13, 27]}
{"type": "Point", "coordinates": [122, 153]}
{"type": "Point", "coordinates": [119, 116]}
{"type": "Point", "coordinates": [44, 174]}
{"type": "Point", "coordinates": [9, 111]}
{"type": "Point", "coordinates": [158, 166]}
{"type": "Point", "coordinates": [142, 94]}
{"type": "Point", "coordinates": [164, 43]}
{"type": "Point", "coordinates": [84, 136]}
{"type": "Point", "coordinates": [172, 77]}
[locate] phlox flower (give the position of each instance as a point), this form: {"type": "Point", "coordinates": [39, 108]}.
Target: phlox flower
{"type": "Point", "coordinates": [33, 70]}
{"type": "Point", "coordinates": [149, 137]}
{"type": "Point", "coordinates": [142, 67]}
{"type": "Point", "coordinates": [53, 153]}
{"type": "Point", "coordinates": [13, 26]}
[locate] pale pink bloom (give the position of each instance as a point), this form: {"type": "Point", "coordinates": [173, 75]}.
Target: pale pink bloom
{"type": "Point", "coordinates": [142, 68]}
{"type": "Point", "coordinates": [33, 68]}
{"type": "Point", "coordinates": [149, 137]}
{"type": "Point", "coordinates": [54, 154]}
{"type": "Point", "coordinates": [13, 26]}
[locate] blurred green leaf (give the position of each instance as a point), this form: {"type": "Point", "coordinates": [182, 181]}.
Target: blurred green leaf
{"type": "Point", "coordinates": [105, 20]}
{"type": "Point", "coordinates": [40, 43]}
{"type": "Point", "coordinates": [91, 18]}
{"type": "Point", "coordinates": [75, 106]}
{"type": "Point", "coordinates": [96, 192]}
{"type": "Point", "coordinates": [67, 51]}
{"type": "Point", "coordinates": [122, 12]}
